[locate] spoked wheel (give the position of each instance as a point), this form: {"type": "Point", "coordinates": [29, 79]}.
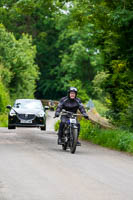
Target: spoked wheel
{"type": "Point", "coordinates": [73, 140]}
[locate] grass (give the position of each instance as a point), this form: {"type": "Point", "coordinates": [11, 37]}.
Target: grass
{"type": "Point", "coordinates": [3, 120]}
{"type": "Point", "coordinates": [118, 139]}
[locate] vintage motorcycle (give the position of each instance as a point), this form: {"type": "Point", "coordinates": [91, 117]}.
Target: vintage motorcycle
{"type": "Point", "coordinates": [70, 132]}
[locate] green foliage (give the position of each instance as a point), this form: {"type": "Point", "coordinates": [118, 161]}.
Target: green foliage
{"type": "Point", "coordinates": [112, 35]}
{"type": "Point", "coordinates": [101, 108]}
{"type": "Point", "coordinates": [75, 40]}
{"type": "Point", "coordinates": [36, 18]}
{"type": "Point", "coordinates": [19, 71]}
{"type": "Point", "coordinates": [126, 118]}
{"type": "Point", "coordinates": [5, 74]}
{"type": "Point", "coordinates": [63, 53]}
{"type": "Point", "coordinates": [74, 57]}
{"type": "Point", "coordinates": [4, 98]}
{"type": "Point", "coordinates": [56, 126]}
{"type": "Point", "coordinates": [115, 139]}
{"type": "Point", "coordinates": [98, 85]}
{"type": "Point", "coordinates": [86, 128]}
{"type": "Point", "coordinates": [3, 120]}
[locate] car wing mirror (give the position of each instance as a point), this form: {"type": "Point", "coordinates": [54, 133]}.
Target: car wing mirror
{"type": "Point", "coordinates": [46, 107]}
{"type": "Point", "coordinates": [9, 106]}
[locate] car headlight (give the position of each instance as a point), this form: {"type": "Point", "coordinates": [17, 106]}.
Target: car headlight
{"type": "Point", "coordinates": [12, 113]}
{"type": "Point", "coordinates": [41, 114]}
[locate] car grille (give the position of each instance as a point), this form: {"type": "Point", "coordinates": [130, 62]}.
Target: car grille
{"type": "Point", "coordinates": [26, 116]}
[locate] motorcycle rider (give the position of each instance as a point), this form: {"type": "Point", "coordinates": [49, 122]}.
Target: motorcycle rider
{"type": "Point", "coordinates": [69, 103]}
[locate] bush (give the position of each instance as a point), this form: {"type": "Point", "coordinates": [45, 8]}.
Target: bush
{"type": "Point", "coordinates": [19, 71]}
{"type": "Point", "coordinates": [98, 85]}
{"type": "Point", "coordinates": [3, 120]}
{"type": "Point", "coordinates": [126, 118]}
{"type": "Point", "coordinates": [4, 98]}
{"type": "Point", "coordinates": [100, 107]}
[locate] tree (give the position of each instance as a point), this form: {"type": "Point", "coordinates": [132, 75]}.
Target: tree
{"type": "Point", "coordinates": [17, 58]}
{"type": "Point", "coordinates": [36, 19]}
{"type": "Point", "coordinates": [112, 35]}
{"type": "Point", "coordinates": [60, 47]}
{"type": "Point", "coordinates": [4, 95]}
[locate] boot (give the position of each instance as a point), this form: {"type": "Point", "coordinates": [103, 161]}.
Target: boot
{"type": "Point", "coordinates": [78, 143]}
{"type": "Point", "coordinates": [60, 142]}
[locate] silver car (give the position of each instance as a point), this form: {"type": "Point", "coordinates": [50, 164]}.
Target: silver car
{"type": "Point", "coordinates": [27, 113]}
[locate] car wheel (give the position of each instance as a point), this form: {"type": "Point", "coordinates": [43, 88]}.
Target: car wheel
{"type": "Point", "coordinates": [43, 128]}
{"type": "Point", "coordinates": [11, 127]}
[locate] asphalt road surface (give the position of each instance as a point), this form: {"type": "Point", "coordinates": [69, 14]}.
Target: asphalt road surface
{"type": "Point", "coordinates": [34, 167]}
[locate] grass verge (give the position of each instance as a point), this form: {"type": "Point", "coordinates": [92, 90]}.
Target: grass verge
{"type": "Point", "coordinates": [121, 140]}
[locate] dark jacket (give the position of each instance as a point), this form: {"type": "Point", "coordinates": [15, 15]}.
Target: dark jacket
{"type": "Point", "coordinates": [71, 105]}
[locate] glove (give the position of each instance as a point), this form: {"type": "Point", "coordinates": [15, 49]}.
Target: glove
{"type": "Point", "coordinates": [57, 114]}
{"type": "Point", "coordinates": [86, 116]}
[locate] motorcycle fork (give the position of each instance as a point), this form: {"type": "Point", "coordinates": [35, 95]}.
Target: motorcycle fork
{"type": "Point", "coordinates": [73, 126]}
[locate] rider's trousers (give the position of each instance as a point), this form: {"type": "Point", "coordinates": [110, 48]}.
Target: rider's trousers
{"type": "Point", "coordinates": [64, 120]}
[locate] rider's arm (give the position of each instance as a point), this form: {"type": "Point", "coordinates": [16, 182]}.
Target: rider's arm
{"type": "Point", "coordinates": [59, 107]}
{"type": "Point", "coordinates": [82, 109]}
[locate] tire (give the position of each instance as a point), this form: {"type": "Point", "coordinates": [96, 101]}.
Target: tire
{"type": "Point", "coordinates": [11, 127]}
{"type": "Point", "coordinates": [73, 142]}
{"type": "Point", "coordinates": [43, 128]}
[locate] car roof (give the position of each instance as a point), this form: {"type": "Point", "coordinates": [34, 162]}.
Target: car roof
{"type": "Point", "coordinates": [27, 100]}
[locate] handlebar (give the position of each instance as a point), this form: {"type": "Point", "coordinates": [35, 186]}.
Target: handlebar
{"type": "Point", "coordinates": [64, 112]}
{"type": "Point", "coordinates": [71, 113]}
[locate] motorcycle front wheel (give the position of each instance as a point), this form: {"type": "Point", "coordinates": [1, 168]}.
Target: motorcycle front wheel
{"type": "Point", "coordinates": [73, 140]}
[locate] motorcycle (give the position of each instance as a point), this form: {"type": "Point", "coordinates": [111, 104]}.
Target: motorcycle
{"type": "Point", "coordinates": [70, 132]}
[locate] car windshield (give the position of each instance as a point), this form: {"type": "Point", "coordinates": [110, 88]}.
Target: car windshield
{"type": "Point", "coordinates": [28, 105]}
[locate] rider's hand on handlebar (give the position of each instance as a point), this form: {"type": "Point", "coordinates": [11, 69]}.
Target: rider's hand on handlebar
{"type": "Point", "coordinates": [86, 116]}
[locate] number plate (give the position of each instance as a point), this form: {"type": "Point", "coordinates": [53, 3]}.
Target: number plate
{"type": "Point", "coordinates": [26, 121]}
{"type": "Point", "coordinates": [73, 121]}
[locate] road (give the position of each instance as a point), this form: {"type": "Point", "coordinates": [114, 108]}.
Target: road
{"type": "Point", "coordinates": [34, 167]}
